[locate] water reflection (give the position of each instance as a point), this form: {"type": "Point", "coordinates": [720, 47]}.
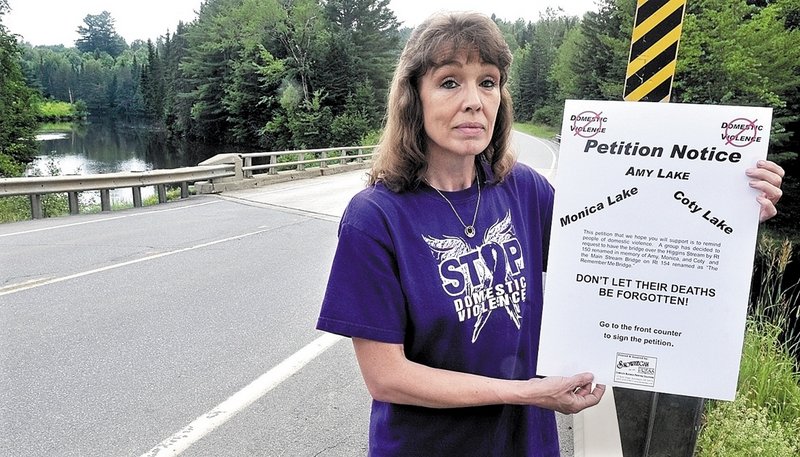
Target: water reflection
{"type": "Point", "coordinates": [107, 145]}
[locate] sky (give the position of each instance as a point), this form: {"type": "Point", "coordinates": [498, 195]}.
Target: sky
{"type": "Point", "coordinates": [49, 22]}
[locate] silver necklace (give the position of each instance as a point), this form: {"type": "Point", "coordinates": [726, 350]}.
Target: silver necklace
{"type": "Point", "coordinates": [469, 230]}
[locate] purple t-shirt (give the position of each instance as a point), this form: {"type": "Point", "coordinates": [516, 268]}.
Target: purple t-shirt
{"type": "Point", "coordinates": [405, 273]}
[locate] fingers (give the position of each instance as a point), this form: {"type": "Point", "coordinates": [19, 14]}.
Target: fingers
{"type": "Point", "coordinates": [765, 168]}
{"type": "Point", "coordinates": [771, 192]}
{"type": "Point", "coordinates": [767, 178]}
{"type": "Point", "coordinates": [590, 394]}
{"type": "Point", "coordinates": [766, 172]}
{"type": "Point", "coordinates": [581, 380]}
{"type": "Point", "coordinates": [567, 395]}
{"type": "Point", "coordinates": [597, 394]}
{"type": "Point", "coordinates": [584, 394]}
{"type": "Point", "coordinates": [768, 209]}
{"type": "Point", "coordinates": [771, 166]}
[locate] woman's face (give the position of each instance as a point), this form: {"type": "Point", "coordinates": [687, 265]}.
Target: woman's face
{"type": "Point", "coordinates": [460, 99]}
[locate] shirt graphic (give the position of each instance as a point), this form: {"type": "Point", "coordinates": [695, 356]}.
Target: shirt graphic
{"type": "Point", "coordinates": [485, 278]}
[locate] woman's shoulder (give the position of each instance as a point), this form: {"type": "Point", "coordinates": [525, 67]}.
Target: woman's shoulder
{"type": "Point", "coordinates": [372, 198]}
{"type": "Point", "coordinates": [371, 205]}
{"type": "Point", "coordinates": [523, 175]}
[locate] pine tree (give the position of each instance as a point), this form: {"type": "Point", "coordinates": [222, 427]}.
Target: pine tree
{"type": "Point", "coordinates": [99, 35]}
{"type": "Point", "coordinates": [152, 87]}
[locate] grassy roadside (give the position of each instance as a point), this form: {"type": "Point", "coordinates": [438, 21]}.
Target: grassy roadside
{"type": "Point", "coordinates": [537, 130]}
{"type": "Point", "coordinates": [764, 420]}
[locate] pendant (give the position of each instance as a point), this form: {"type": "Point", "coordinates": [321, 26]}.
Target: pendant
{"type": "Point", "coordinates": [469, 231]}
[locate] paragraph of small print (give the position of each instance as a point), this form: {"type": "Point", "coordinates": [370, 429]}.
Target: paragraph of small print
{"type": "Point", "coordinates": [637, 370]}
{"type": "Point", "coordinates": [628, 250]}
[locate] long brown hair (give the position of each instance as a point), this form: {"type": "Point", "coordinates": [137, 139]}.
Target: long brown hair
{"type": "Point", "coordinates": [401, 158]}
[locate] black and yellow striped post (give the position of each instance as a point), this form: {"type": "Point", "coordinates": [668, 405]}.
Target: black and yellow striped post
{"type": "Point", "coordinates": [653, 424]}
{"type": "Point", "coordinates": [654, 50]}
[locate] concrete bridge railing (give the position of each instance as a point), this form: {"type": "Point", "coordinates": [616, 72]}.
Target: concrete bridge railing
{"type": "Point", "coordinates": [255, 169]}
{"type": "Point", "coordinates": [223, 172]}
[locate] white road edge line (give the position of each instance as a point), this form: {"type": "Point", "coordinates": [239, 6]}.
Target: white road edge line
{"type": "Point", "coordinates": [208, 422]}
{"type": "Point", "coordinates": [554, 157]}
{"type": "Point", "coordinates": [33, 284]}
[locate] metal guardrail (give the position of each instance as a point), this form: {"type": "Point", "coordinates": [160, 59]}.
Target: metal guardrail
{"type": "Point", "coordinates": [37, 186]}
{"type": "Point", "coordinates": [234, 170]}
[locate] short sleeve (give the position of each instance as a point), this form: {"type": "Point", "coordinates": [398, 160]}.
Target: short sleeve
{"type": "Point", "coordinates": [364, 298]}
{"type": "Point", "coordinates": [545, 193]}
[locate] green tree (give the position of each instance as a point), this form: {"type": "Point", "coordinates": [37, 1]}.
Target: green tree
{"type": "Point", "coordinates": [532, 85]}
{"type": "Point", "coordinates": [358, 118]}
{"type": "Point", "coordinates": [152, 84]}
{"type": "Point", "coordinates": [248, 98]}
{"type": "Point", "coordinates": [98, 35]}
{"type": "Point", "coordinates": [94, 76]}
{"type": "Point", "coordinates": [177, 109]}
{"type": "Point", "coordinates": [128, 90]}
{"type": "Point", "coordinates": [601, 57]}
{"type": "Point", "coordinates": [17, 101]}
{"type": "Point", "coordinates": [365, 45]}
{"type": "Point", "coordinates": [310, 121]}
{"type": "Point", "coordinates": [221, 37]}
{"type": "Point", "coordinates": [566, 82]}
{"type": "Point", "coordinates": [298, 27]}
{"type": "Point", "coordinates": [206, 67]}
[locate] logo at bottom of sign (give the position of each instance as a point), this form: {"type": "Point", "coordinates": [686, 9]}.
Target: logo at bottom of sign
{"type": "Point", "coordinates": [637, 370]}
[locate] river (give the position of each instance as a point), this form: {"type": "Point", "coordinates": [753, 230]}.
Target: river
{"type": "Point", "coordinates": [113, 145]}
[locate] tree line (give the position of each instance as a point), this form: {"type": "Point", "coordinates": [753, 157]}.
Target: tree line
{"type": "Point", "coordinates": [265, 73]}
{"type": "Point", "coordinates": [287, 74]}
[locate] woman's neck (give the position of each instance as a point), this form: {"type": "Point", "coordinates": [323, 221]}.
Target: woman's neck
{"type": "Point", "coordinates": [452, 176]}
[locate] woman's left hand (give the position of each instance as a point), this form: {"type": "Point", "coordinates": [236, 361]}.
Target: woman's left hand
{"type": "Point", "coordinates": [767, 177]}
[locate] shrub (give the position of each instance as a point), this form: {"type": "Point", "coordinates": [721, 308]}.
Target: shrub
{"type": "Point", "coordinates": [547, 115]}
{"type": "Point", "coordinates": [736, 429]}
{"type": "Point", "coordinates": [15, 209]}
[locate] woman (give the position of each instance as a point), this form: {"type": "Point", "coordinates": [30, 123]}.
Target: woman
{"type": "Point", "coordinates": [438, 272]}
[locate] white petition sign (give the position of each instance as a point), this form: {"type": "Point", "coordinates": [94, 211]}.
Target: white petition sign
{"type": "Point", "coordinates": [652, 245]}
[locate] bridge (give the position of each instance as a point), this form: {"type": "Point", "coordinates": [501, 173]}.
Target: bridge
{"type": "Point", "coordinates": [219, 173]}
{"type": "Point", "coordinates": [185, 328]}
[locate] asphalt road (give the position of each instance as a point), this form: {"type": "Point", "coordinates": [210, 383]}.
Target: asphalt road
{"type": "Point", "coordinates": [166, 329]}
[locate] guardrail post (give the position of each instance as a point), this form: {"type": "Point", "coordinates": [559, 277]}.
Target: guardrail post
{"type": "Point", "coordinates": [248, 162]}
{"type": "Point", "coordinates": [273, 160]}
{"type": "Point", "coordinates": [162, 193]}
{"type": "Point", "coordinates": [36, 206]}
{"type": "Point", "coordinates": [105, 200]}
{"type": "Point", "coordinates": [323, 163]}
{"type": "Point", "coordinates": [72, 197]}
{"type": "Point", "coordinates": [184, 189]}
{"type": "Point", "coordinates": [301, 156]}
{"type": "Point", "coordinates": [137, 197]}
{"type": "Point", "coordinates": [238, 173]}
